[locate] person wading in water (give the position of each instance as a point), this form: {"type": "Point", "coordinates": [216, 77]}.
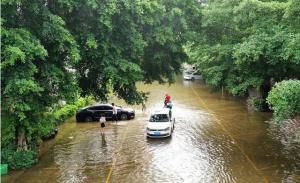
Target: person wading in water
{"type": "Point", "coordinates": [102, 123]}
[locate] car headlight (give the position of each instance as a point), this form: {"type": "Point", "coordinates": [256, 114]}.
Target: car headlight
{"type": "Point", "coordinates": [167, 129]}
{"type": "Point", "coordinates": [148, 129]}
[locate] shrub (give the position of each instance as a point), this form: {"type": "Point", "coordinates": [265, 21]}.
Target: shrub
{"type": "Point", "coordinates": [60, 115]}
{"type": "Point", "coordinates": [284, 99]}
{"type": "Point", "coordinates": [17, 160]}
{"type": "Point", "coordinates": [81, 102]}
{"type": "Point", "coordinates": [260, 104]}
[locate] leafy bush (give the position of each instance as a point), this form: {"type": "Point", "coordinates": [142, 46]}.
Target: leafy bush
{"type": "Point", "coordinates": [81, 102]}
{"type": "Point", "coordinates": [284, 99]}
{"type": "Point", "coordinates": [66, 111]}
{"type": "Point", "coordinates": [17, 160]}
{"type": "Point", "coordinates": [63, 113]}
{"type": "Point", "coordinates": [260, 104]}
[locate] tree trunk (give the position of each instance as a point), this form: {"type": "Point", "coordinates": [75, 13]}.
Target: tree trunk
{"type": "Point", "coordinates": [22, 144]}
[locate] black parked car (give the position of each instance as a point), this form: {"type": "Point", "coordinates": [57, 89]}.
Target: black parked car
{"type": "Point", "coordinates": [92, 113]}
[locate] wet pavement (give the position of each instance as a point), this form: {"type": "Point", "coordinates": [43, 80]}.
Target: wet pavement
{"type": "Point", "coordinates": [217, 138]}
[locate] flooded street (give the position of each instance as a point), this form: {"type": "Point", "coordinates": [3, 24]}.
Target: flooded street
{"type": "Point", "coordinates": [217, 138]}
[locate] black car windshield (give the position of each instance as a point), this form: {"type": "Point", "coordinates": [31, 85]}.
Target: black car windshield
{"type": "Point", "coordinates": [159, 118]}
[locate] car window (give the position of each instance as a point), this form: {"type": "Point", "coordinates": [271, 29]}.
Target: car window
{"type": "Point", "coordinates": [159, 118]}
{"type": "Point", "coordinates": [94, 108]}
{"type": "Point", "coordinates": [107, 108]}
{"type": "Point", "coordinates": [91, 108]}
{"type": "Point", "coordinates": [196, 73]}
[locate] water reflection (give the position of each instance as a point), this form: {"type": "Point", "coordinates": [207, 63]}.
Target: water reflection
{"type": "Point", "coordinates": [104, 145]}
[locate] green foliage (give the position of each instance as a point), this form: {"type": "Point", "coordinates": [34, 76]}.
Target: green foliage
{"type": "Point", "coordinates": [260, 104]}
{"type": "Point", "coordinates": [37, 51]}
{"type": "Point", "coordinates": [261, 17]}
{"type": "Point", "coordinates": [115, 56]}
{"type": "Point", "coordinates": [81, 102]}
{"type": "Point", "coordinates": [284, 100]}
{"type": "Point", "coordinates": [62, 114]}
{"type": "Point", "coordinates": [7, 129]}
{"type": "Point", "coordinates": [17, 160]}
{"type": "Point", "coordinates": [291, 18]}
{"type": "Point", "coordinates": [245, 43]}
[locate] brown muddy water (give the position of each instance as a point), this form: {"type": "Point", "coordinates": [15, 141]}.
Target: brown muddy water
{"type": "Point", "coordinates": [217, 138]}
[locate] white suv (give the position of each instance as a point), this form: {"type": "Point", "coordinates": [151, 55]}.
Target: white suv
{"type": "Point", "coordinates": [160, 123]}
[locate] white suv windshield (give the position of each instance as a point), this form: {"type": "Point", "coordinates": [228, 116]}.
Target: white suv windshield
{"type": "Point", "coordinates": [159, 118]}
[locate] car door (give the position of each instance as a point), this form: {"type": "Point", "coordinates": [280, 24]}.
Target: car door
{"type": "Point", "coordinates": [97, 110]}
{"type": "Point", "coordinates": [108, 110]}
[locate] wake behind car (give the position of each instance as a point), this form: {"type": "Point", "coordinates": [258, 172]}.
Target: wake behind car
{"type": "Point", "coordinates": [92, 113]}
{"type": "Point", "coordinates": [160, 123]}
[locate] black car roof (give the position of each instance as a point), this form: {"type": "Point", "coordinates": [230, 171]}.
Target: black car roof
{"type": "Point", "coordinates": [98, 104]}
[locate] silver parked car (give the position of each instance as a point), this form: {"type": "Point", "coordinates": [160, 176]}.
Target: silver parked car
{"type": "Point", "coordinates": [192, 76]}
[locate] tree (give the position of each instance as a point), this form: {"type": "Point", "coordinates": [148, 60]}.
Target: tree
{"type": "Point", "coordinates": [114, 56]}
{"type": "Point", "coordinates": [245, 43]}
{"type": "Point", "coordinates": [37, 51]}
{"type": "Point", "coordinates": [212, 49]}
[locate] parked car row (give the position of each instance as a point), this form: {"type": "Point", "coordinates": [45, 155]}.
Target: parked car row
{"type": "Point", "coordinates": [92, 113]}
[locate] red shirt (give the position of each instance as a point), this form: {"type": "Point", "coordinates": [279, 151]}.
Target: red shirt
{"type": "Point", "coordinates": [168, 98]}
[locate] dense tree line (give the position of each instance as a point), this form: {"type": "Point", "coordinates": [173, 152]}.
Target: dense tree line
{"type": "Point", "coordinates": [246, 44]}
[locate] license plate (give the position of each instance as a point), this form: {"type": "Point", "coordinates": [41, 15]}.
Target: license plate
{"type": "Point", "coordinates": [156, 133]}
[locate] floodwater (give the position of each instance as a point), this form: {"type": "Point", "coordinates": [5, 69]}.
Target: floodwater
{"type": "Point", "coordinates": [217, 138]}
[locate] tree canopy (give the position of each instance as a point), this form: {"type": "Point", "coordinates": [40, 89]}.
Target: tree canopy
{"type": "Point", "coordinates": [245, 43]}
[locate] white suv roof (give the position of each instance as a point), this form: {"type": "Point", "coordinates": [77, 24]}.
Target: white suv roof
{"type": "Point", "coordinates": [161, 111]}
